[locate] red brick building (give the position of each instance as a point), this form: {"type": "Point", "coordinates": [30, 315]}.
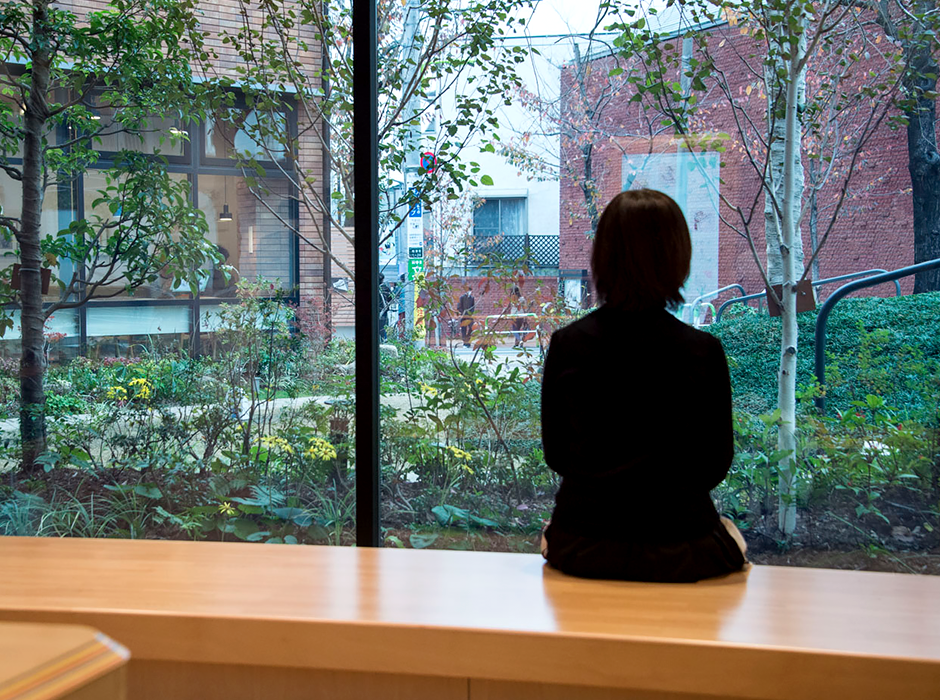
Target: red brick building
{"type": "Point", "coordinates": [874, 229]}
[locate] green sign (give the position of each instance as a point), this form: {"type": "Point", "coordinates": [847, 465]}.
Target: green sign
{"type": "Point", "coordinates": [415, 265]}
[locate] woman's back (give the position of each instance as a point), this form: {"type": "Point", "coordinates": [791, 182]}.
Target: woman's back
{"type": "Point", "coordinates": [636, 415]}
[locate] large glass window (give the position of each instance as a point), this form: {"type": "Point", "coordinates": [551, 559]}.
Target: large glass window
{"type": "Point", "coordinates": [251, 225]}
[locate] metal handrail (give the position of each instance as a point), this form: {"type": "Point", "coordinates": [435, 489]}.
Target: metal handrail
{"type": "Point", "coordinates": [817, 283]}
{"type": "Point", "coordinates": [837, 295]}
{"type": "Point", "coordinates": [699, 299]}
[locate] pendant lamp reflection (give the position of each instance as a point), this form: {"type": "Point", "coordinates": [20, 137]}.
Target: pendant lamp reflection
{"type": "Point", "coordinates": [226, 215]}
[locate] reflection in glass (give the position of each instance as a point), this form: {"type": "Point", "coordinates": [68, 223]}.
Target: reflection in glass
{"type": "Point", "coordinates": [165, 135]}
{"type": "Point", "coordinates": [252, 234]}
{"type": "Point", "coordinates": [61, 332]}
{"type": "Point", "coordinates": [163, 287]}
{"type": "Point", "coordinates": [11, 203]}
{"type": "Point", "coordinates": [259, 137]}
{"type": "Point", "coordinates": [133, 331]}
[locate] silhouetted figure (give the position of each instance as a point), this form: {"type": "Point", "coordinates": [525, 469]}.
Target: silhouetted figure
{"type": "Point", "coordinates": [466, 305]}
{"type": "Point", "coordinates": [224, 282]}
{"type": "Point", "coordinates": [517, 306]}
{"type": "Point", "coordinates": [385, 292]}
{"type": "Point", "coordinates": [636, 414]}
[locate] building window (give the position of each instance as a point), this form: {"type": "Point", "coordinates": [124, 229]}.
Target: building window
{"type": "Point", "coordinates": [499, 217]}
{"type": "Point", "coordinates": [252, 225]}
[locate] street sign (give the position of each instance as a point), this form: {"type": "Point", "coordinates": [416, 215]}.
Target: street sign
{"type": "Point", "coordinates": [428, 162]}
{"type": "Point", "coordinates": [415, 227]}
{"type": "Point", "coordinates": [416, 252]}
{"type": "Point", "coordinates": [415, 265]}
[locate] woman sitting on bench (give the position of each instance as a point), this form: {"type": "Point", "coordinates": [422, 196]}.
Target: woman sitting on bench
{"type": "Point", "coordinates": [636, 414]}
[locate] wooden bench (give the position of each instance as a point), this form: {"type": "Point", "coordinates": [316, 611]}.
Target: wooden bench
{"type": "Point", "coordinates": [60, 662]}
{"type": "Point", "coordinates": [210, 620]}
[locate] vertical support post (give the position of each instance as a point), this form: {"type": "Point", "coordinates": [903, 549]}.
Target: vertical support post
{"type": "Point", "coordinates": [366, 248]}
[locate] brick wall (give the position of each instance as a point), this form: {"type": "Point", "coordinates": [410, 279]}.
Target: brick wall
{"type": "Point", "coordinates": [272, 256]}
{"type": "Point", "coordinates": [874, 230]}
{"type": "Point", "coordinates": [343, 303]}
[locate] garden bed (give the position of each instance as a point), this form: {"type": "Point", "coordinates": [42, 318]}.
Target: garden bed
{"type": "Point", "coordinates": [258, 444]}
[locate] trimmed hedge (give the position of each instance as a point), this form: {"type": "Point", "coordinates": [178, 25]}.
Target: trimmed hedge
{"type": "Point", "coordinates": [889, 346]}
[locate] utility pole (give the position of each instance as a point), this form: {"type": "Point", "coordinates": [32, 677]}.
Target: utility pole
{"type": "Point", "coordinates": [411, 51]}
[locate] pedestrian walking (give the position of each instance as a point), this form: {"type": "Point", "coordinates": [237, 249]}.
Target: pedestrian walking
{"type": "Point", "coordinates": [466, 305]}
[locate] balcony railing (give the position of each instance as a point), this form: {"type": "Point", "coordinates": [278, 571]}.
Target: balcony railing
{"type": "Point", "coordinates": [536, 250]}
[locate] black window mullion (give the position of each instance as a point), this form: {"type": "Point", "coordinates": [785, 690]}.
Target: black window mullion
{"type": "Point", "coordinates": [365, 159]}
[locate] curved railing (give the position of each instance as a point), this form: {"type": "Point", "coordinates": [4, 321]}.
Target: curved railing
{"type": "Point", "coordinates": [817, 283]}
{"type": "Point", "coordinates": [699, 299]}
{"type": "Point", "coordinates": [837, 295]}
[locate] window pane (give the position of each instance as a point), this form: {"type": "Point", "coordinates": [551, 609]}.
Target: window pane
{"type": "Point", "coordinates": [179, 424]}
{"type": "Point", "coordinates": [512, 217]}
{"type": "Point", "coordinates": [138, 331]}
{"type": "Point", "coordinates": [486, 217]}
{"type": "Point", "coordinates": [253, 232]}
{"type": "Point", "coordinates": [163, 134]}
{"type": "Point", "coordinates": [61, 333]}
{"type": "Point", "coordinates": [461, 458]}
{"type": "Point", "coordinates": [53, 220]}
{"type": "Point", "coordinates": [261, 137]}
{"type": "Point", "coordinates": [163, 287]}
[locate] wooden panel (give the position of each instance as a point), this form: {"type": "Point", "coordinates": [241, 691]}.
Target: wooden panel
{"type": "Point", "coordinates": [797, 633]}
{"type": "Point", "coordinates": [160, 680]}
{"type": "Point", "coordinates": [498, 690]}
{"type": "Point", "coordinates": [110, 687]}
{"type": "Point", "coordinates": [47, 661]}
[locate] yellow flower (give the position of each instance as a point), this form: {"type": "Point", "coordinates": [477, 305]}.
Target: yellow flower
{"type": "Point", "coordinates": [277, 443]}
{"type": "Point", "coordinates": [144, 389]}
{"type": "Point", "coordinates": [117, 393]}
{"type": "Point", "coordinates": [226, 508]}
{"type": "Point", "coordinates": [428, 390]}
{"type": "Point", "coordinates": [459, 454]}
{"type": "Point", "coordinates": [318, 448]}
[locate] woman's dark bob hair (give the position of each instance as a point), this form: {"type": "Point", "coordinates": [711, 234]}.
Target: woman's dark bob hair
{"type": "Point", "coordinates": [642, 252]}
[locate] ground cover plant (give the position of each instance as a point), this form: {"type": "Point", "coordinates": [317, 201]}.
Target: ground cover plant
{"type": "Point", "coordinates": [256, 443]}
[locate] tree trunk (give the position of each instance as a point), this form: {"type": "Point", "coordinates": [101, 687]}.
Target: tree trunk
{"type": "Point", "coordinates": [589, 188]}
{"type": "Point", "coordinates": [32, 353]}
{"type": "Point", "coordinates": [814, 177]}
{"type": "Point", "coordinates": [791, 267]}
{"type": "Point", "coordinates": [779, 162]}
{"type": "Point", "coordinates": [924, 163]}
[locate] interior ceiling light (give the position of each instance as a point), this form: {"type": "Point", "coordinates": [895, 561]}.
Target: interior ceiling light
{"type": "Point", "coordinates": [226, 215]}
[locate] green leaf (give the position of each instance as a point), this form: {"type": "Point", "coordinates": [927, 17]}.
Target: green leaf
{"type": "Point", "coordinates": [421, 540]}
{"type": "Point", "coordinates": [317, 532]}
{"type": "Point", "coordinates": [148, 491]}
{"type": "Point", "coordinates": [486, 180]}
{"type": "Point", "coordinates": [297, 515]}
{"type": "Point", "coordinates": [244, 528]}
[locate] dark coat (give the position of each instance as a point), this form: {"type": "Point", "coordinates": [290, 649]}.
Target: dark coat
{"type": "Point", "coordinates": [466, 304]}
{"type": "Point", "coordinates": [636, 418]}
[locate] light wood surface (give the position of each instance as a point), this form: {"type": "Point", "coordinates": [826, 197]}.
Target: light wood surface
{"type": "Point", "coordinates": [160, 680]}
{"type": "Point", "coordinates": [501, 690]}
{"type": "Point", "coordinates": [775, 633]}
{"type": "Point", "coordinates": [54, 661]}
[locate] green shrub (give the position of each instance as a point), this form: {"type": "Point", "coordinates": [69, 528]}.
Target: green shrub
{"type": "Point", "coordinates": [888, 347]}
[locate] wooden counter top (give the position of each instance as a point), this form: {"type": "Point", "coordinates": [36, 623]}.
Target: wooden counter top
{"type": "Point", "coordinates": [50, 661]}
{"type": "Point", "coordinates": [776, 633]}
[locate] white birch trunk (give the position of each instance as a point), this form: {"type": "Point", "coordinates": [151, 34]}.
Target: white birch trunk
{"type": "Point", "coordinates": [791, 262]}
{"type": "Point", "coordinates": [773, 226]}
